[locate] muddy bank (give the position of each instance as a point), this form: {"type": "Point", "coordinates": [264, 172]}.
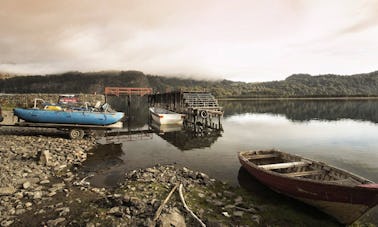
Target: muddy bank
{"type": "Point", "coordinates": [41, 183]}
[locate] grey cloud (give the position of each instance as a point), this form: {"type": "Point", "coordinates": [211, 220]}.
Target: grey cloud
{"type": "Point", "coordinates": [212, 37]}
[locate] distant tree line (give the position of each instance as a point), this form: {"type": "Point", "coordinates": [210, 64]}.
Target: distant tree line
{"type": "Point", "coordinates": [306, 110]}
{"type": "Point", "coordinates": [298, 85]}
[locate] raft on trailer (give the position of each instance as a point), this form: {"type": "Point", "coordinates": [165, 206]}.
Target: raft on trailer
{"type": "Point", "coordinates": [336, 192]}
{"type": "Point", "coordinates": [54, 113]}
{"type": "Point", "coordinates": [68, 117]}
{"type": "Point", "coordinates": [78, 120]}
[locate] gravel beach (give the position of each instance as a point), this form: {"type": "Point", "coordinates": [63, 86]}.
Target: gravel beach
{"type": "Point", "coordinates": [40, 185]}
{"type": "Point", "coordinates": [34, 168]}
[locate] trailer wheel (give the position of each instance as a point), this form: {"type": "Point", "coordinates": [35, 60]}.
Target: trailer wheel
{"type": "Point", "coordinates": [76, 134]}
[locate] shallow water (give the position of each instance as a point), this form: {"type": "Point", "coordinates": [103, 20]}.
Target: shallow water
{"type": "Point", "coordinates": [340, 133]}
{"type": "Point", "coordinates": [346, 138]}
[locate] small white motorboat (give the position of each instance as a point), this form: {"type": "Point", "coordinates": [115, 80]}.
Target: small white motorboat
{"type": "Point", "coordinates": [161, 129]}
{"type": "Point", "coordinates": [164, 117]}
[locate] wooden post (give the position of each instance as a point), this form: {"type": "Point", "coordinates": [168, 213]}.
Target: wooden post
{"type": "Point", "coordinates": [128, 105]}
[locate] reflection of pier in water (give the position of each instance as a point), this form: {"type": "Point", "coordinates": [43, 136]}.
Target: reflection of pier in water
{"type": "Point", "coordinates": [125, 135]}
{"type": "Point", "coordinates": [185, 138]}
{"type": "Point", "coordinates": [179, 136]}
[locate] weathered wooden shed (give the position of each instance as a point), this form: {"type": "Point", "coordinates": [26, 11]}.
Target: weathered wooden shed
{"type": "Point", "coordinates": [201, 108]}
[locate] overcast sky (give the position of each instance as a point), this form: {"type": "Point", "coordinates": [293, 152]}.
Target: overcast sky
{"type": "Point", "coordinates": [251, 40]}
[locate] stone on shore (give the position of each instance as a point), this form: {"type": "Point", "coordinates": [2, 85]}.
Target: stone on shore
{"type": "Point", "coordinates": [45, 158]}
{"type": "Point", "coordinates": [173, 218]}
{"type": "Point", "coordinates": [7, 191]}
{"type": "Point", "coordinates": [27, 160]}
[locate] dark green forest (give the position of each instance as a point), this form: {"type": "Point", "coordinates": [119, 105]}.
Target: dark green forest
{"type": "Point", "coordinates": [297, 85]}
{"type": "Point", "coordinates": [306, 110]}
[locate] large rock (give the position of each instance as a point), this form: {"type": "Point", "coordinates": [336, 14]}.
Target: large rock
{"type": "Point", "coordinates": [174, 218]}
{"type": "Point", "coordinates": [37, 195]}
{"type": "Point", "coordinates": [26, 185]}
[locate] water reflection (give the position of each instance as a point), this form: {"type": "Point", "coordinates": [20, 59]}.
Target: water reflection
{"type": "Point", "coordinates": [121, 136]}
{"type": "Point", "coordinates": [266, 196]}
{"type": "Point", "coordinates": [347, 144]}
{"type": "Point", "coordinates": [135, 108]}
{"type": "Point", "coordinates": [185, 138]}
{"type": "Point", "coordinates": [340, 133]}
{"type": "Point", "coordinates": [103, 164]}
{"type": "Point", "coordinates": [305, 110]}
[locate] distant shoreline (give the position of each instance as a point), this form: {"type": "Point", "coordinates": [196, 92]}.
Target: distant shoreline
{"type": "Point", "coordinates": [299, 98]}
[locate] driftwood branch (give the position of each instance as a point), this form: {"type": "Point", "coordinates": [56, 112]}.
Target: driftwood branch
{"type": "Point", "coordinates": [160, 209]}
{"type": "Point", "coordinates": [187, 208]}
{"type": "Point", "coordinates": [83, 182]}
{"type": "Point", "coordinates": [250, 210]}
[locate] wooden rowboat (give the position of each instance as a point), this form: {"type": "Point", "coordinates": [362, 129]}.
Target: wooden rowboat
{"type": "Point", "coordinates": [336, 192]}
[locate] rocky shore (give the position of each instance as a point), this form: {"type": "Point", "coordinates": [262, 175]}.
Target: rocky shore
{"type": "Point", "coordinates": [34, 168]}
{"type": "Point", "coordinates": [40, 185]}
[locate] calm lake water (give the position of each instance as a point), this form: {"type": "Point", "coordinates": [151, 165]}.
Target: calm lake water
{"type": "Point", "coordinates": [341, 133]}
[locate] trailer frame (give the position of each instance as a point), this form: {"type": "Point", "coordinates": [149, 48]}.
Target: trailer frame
{"type": "Point", "coordinates": [75, 131]}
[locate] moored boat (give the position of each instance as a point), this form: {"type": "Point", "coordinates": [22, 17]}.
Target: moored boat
{"type": "Point", "coordinates": [336, 192]}
{"type": "Point", "coordinates": [163, 116]}
{"type": "Point", "coordinates": [161, 129]}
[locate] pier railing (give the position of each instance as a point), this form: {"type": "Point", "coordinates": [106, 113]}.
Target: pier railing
{"type": "Point", "coordinates": [117, 91]}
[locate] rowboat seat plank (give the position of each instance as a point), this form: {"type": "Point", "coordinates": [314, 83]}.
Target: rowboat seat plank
{"type": "Point", "coordinates": [304, 173]}
{"type": "Point", "coordinates": [284, 165]}
{"type": "Point", "coordinates": [263, 156]}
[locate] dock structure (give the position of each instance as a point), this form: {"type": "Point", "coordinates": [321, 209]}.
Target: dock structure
{"type": "Point", "coordinates": [117, 91]}
{"type": "Point", "coordinates": [201, 108]}
{"type": "Point", "coordinates": [125, 93]}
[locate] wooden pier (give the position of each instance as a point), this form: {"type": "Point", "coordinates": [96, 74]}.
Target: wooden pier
{"type": "Point", "coordinates": [126, 94]}
{"type": "Point", "coordinates": [117, 91]}
{"type": "Point", "coordinates": [201, 108]}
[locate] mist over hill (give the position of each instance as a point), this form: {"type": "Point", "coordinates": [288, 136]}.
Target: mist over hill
{"type": "Point", "coordinates": [298, 85]}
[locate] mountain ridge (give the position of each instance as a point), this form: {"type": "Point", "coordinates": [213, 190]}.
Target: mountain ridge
{"type": "Point", "coordinates": [296, 85]}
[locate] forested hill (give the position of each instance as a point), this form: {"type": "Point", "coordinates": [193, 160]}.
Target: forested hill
{"type": "Point", "coordinates": [298, 85]}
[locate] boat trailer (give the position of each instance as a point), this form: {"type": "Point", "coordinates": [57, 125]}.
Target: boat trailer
{"type": "Point", "coordinates": [75, 131]}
